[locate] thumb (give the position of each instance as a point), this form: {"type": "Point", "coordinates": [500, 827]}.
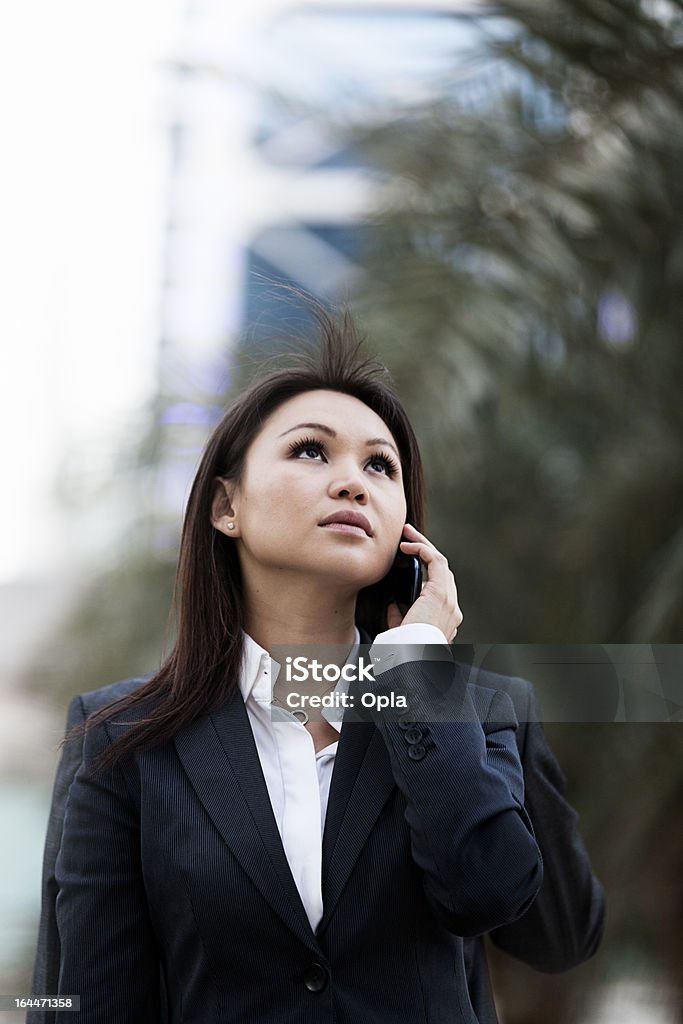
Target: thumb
{"type": "Point", "coordinates": [394, 617]}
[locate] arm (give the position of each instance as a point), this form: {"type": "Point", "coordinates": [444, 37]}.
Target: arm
{"type": "Point", "coordinates": [564, 925]}
{"type": "Point", "coordinates": [108, 953]}
{"type": "Point", "coordinates": [462, 781]}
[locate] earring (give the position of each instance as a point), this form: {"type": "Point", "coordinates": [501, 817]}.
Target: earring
{"type": "Point", "coordinates": [231, 526]}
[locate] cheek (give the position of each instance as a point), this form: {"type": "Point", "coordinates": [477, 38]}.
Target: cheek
{"type": "Point", "coordinates": [267, 493]}
{"type": "Point", "coordinates": [275, 512]}
{"type": "Point", "coordinates": [399, 514]}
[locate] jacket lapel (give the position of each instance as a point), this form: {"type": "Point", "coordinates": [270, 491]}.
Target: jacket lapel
{"type": "Point", "coordinates": [219, 754]}
{"type": "Point", "coordinates": [360, 786]}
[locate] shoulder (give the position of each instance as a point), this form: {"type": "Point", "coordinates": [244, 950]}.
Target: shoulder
{"type": "Point", "coordinates": [89, 736]}
{"type": "Point", "coordinates": [85, 704]}
{"type": "Point", "coordinates": [494, 694]}
{"type": "Point", "coordinates": [519, 690]}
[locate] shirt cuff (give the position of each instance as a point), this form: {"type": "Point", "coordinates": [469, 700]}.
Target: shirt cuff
{"type": "Point", "coordinates": [416, 641]}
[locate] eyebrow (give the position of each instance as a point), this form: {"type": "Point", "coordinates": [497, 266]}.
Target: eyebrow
{"type": "Point", "coordinates": [333, 433]}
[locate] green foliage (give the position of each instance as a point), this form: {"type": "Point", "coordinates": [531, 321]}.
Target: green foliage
{"type": "Point", "coordinates": [526, 286]}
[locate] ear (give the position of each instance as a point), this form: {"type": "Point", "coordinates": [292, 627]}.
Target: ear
{"type": "Point", "coordinates": [222, 511]}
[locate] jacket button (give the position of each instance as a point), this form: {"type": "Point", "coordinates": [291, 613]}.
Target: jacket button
{"type": "Point", "coordinates": [316, 978]}
{"type": "Point", "coordinates": [403, 724]}
{"type": "Point", "coordinates": [412, 735]}
{"type": "Point", "coordinates": [417, 752]}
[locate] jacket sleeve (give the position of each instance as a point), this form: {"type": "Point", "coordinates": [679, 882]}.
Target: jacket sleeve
{"type": "Point", "coordinates": [564, 925]}
{"type": "Point", "coordinates": [108, 951]}
{"type": "Point", "coordinates": [46, 964]}
{"type": "Point", "coordinates": [462, 781]}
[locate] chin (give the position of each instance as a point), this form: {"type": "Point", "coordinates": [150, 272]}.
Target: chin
{"type": "Point", "coordinates": [350, 572]}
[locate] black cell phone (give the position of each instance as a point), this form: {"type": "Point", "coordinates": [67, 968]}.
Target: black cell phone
{"type": "Point", "coordinates": [403, 582]}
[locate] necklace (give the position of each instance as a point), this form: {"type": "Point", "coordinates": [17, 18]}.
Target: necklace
{"type": "Point", "coordinates": [298, 713]}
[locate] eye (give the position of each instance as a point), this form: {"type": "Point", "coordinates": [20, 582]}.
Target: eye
{"type": "Point", "coordinates": [311, 444]}
{"type": "Point", "coordinates": [385, 460]}
{"type": "Point", "coordinates": [306, 444]}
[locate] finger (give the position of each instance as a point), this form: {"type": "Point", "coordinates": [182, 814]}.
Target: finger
{"type": "Point", "coordinates": [426, 552]}
{"type": "Point", "coordinates": [421, 539]}
{"type": "Point", "coordinates": [438, 569]}
{"type": "Point", "coordinates": [415, 533]}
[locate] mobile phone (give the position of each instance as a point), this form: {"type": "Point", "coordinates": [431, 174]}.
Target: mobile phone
{"type": "Point", "coordinates": [403, 582]}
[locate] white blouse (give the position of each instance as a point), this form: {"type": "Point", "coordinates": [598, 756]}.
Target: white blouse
{"type": "Point", "coordinates": [298, 779]}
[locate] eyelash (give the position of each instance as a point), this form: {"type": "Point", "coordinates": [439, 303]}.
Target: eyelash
{"type": "Point", "coordinates": [310, 442]}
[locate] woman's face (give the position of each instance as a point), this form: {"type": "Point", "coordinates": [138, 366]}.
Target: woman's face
{"type": "Point", "coordinates": [319, 453]}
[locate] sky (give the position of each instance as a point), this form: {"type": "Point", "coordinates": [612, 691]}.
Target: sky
{"type": "Point", "coordinates": [83, 101]}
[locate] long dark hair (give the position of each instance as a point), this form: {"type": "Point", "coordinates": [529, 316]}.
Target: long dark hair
{"type": "Point", "coordinates": [202, 671]}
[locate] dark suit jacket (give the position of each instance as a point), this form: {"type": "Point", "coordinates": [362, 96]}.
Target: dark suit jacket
{"type": "Point", "coordinates": [167, 895]}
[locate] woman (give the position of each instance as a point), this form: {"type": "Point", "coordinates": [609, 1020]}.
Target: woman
{"type": "Point", "coordinates": [287, 870]}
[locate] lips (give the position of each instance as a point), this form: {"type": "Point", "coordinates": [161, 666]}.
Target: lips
{"type": "Point", "coordinates": [350, 518]}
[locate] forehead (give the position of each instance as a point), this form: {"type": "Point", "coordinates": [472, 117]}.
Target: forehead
{"type": "Point", "coordinates": [343, 413]}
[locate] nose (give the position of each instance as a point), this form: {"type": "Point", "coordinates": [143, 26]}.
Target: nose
{"type": "Point", "coordinates": [349, 483]}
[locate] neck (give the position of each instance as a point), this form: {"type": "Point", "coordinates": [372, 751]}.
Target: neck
{"type": "Point", "coordinates": [282, 613]}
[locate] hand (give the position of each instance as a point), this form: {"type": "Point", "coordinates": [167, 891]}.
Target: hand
{"type": "Point", "coordinates": [438, 600]}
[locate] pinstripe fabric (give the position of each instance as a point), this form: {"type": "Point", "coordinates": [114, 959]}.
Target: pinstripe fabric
{"type": "Point", "coordinates": [177, 862]}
